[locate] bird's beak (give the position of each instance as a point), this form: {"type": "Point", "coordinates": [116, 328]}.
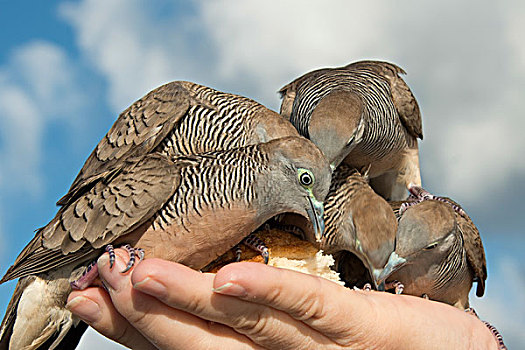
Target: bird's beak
{"type": "Point", "coordinates": [380, 286]}
{"type": "Point", "coordinates": [316, 216]}
{"type": "Point", "coordinates": [394, 263]}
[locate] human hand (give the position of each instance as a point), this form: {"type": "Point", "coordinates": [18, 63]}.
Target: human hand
{"type": "Point", "coordinates": [257, 306]}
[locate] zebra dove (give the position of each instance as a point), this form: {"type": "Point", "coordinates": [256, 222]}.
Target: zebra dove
{"type": "Point", "coordinates": [358, 222]}
{"type": "Point", "coordinates": [141, 176]}
{"type": "Point", "coordinates": [438, 254]}
{"type": "Point", "coordinates": [360, 228]}
{"type": "Point", "coordinates": [180, 118]}
{"type": "Point", "coordinates": [188, 209]}
{"type": "Point", "coordinates": [364, 115]}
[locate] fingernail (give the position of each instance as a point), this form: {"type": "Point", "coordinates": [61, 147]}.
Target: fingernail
{"type": "Point", "coordinates": [152, 287]}
{"type": "Point", "coordinates": [231, 289]}
{"type": "Point", "coordinates": [84, 308]}
{"type": "Point", "coordinates": [103, 260]}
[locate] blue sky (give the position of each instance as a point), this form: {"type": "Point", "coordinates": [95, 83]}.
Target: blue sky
{"type": "Point", "coordinates": [67, 68]}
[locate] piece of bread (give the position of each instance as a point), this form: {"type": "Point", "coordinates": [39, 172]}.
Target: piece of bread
{"type": "Point", "coordinates": [286, 251]}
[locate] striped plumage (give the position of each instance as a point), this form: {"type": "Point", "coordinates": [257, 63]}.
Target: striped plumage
{"type": "Point", "coordinates": [142, 185]}
{"type": "Point", "coordinates": [180, 118]}
{"type": "Point", "coordinates": [438, 253]}
{"type": "Point", "coordinates": [363, 114]}
{"type": "Point", "coordinates": [358, 222]}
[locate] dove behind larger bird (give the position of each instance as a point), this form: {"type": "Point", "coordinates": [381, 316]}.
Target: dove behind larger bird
{"type": "Point", "coordinates": [362, 114]}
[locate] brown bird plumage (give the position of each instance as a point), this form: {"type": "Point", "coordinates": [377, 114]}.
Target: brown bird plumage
{"type": "Point", "coordinates": [141, 185]}
{"type": "Point", "coordinates": [358, 222]}
{"type": "Point", "coordinates": [188, 209]}
{"type": "Point", "coordinates": [180, 118]}
{"type": "Point", "coordinates": [364, 115]}
{"type": "Point", "coordinates": [360, 227]}
{"type": "Point", "coordinates": [438, 254]}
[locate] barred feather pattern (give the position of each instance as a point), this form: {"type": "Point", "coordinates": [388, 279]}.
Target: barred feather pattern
{"type": "Point", "coordinates": [345, 183]}
{"type": "Point", "coordinates": [452, 267]}
{"type": "Point", "coordinates": [384, 131]}
{"type": "Point", "coordinates": [228, 125]}
{"type": "Point", "coordinates": [218, 181]}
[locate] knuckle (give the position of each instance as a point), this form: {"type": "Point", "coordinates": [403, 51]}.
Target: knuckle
{"type": "Point", "coordinates": [259, 323]}
{"type": "Point", "coordinates": [195, 305]}
{"type": "Point", "coordinates": [311, 305]}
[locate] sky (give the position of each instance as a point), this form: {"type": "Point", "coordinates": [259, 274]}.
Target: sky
{"type": "Point", "coordinates": [68, 68]}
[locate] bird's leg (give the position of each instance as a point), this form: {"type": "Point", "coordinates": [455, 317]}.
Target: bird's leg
{"type": "Point", "coordinates": [258, 245]}
{"type": "Point", "coordinates": [238, 252]}
{"type": "Point", "coordinates": [406, 205]}
{"type": "Point", "coordinates": [425, 296]}
{"type": "Point", "coordinates": [420, 195]}
{"type": "Point", "coordinates": [90, 274]}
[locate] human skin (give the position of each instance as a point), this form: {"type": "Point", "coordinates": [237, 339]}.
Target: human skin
{"type": "Point", "coordinates": [165, 305]}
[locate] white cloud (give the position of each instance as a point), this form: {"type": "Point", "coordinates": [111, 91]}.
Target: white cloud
{"type": "Point", "coordinates": [503, 305]}
{"type": "Point", "coordinates": [271, 44]}
{"type": "Point", "coordinates": [465, 73]}
{"type": "Point", "coordinates": [134, 51]}
{"type": "Point", "coordinates": [36, 87]}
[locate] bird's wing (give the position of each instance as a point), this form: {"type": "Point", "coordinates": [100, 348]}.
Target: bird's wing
{"type": "Point", "coordinates": [404, 100]}
{"type": "Point", "coordinates": [137, 132]}
{"type": "Point", "coordinates": [113, 207]}
{"type": "Point", "coordinates": [474, 248]}
{"type": "Point", "coordinates": [475, 252]}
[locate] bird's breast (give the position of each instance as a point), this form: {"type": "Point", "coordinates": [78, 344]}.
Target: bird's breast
{"type": "Point", "coordinates": [198, 238]}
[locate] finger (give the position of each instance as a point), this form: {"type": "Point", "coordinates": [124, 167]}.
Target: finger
{"type": "Point", "coordinates": [165, 327]}
{"type": "Point", "coordinates": [93, 305]}
{"type": "Point", "coordinates": [335, 311]}
{"type": "Point", "coordinates": [185, 289]}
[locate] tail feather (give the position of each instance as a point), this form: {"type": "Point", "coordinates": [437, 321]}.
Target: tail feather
{"type": "Point", "coordinates": [6, 329]}
{"type": "Point", "coordinates": [70, 341]}
{"type": "Point", "coordinates": [36, 317]}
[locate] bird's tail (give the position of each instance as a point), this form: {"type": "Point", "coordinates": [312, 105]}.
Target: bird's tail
{"type": "Point", "coordinates": [37, 319]}
{"type": "Point", "coordinates": [6, 329]}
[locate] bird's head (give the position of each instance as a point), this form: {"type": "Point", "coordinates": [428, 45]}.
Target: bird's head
{"type": "Point", "coordinates": [425, 237]}
{"type": "Point", "coordinates": [335, 125]}
{"type": "Point", "coordinates": [299, 178]}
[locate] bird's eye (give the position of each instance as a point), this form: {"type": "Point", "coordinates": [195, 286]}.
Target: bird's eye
{"type": "Point", "coordinates": [431, 246]}
{"type": "Point", "coordinates": [306, 178]}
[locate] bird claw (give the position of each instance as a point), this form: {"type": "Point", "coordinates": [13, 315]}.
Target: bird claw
{"type": "Point", "coordinates": [399, 287]}
{"type": "Point", "coordinates": [111, 252]}
{"type": "Point", "coordinates": [132, 252]}
{"type": "Point", "coordinates": [367, 287]}
{"type": "Point", "coordinates": [419, 194]}
{"type": "Point", "coordinates": [90, 274]}
{"type": "Point", "coordinates": [396, 285]}
{"type": "Point", "coordinates": [425, 296]}
{"type": "Point", "coordinates": [132, 257]}
{"type": "Point", "coordinates": [258, 245]}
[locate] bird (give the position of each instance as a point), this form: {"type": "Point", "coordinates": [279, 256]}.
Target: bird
{"type": "Point", "coordinates": [362, 114]}
{"type": "Point", "coordinates": [438, 254]}
{"type": "Point", "coordinates": [360, 228]}
{"type": "Point", "coordinates": [188, 209]}
{"type": "Point", "coordinates": [180, 118]}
